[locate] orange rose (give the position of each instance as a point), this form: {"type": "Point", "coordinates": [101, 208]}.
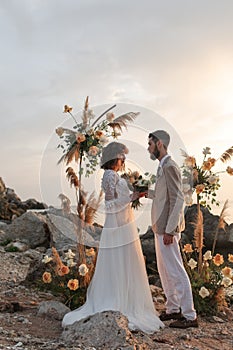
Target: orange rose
{"type": "Point", "coordinates": [47, 278]}
{"type": "Point", "coordinates": [230, 258]}
{"type": "Point", "coordinates": [218, 259]}
{"type": "Point", "coordinates": [73, 284]}
{"type": "Point", "coordinates": [200, 188]}
{"type": "Point", "coordinates": [188, 248]}
{"type": "Point", "coordinates": [80, 137]}
{"type": "Point", "coordinates": [99, 134]}
{"type": "Point", "coordinates": [226, 271]}
{"type": "Point", "coordinates": [190, 161]}
{"type": "Point", "coordinates": [63, 270]}
{"type": "Point", "coordinates": [208, 164]}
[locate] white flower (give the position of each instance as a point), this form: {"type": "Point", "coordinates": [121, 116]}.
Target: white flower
{"type": "Point", "coordinates": [186, 187]}
{"type": "Point", "coordinates": [83, 269]}
{"type": "Point", "coordinates": [93, 151]}
{"type": "Point", "coordinates": [103, 140]}
{"type": "Point", "coordinates": [206, 151]}
{"type": "Point", "coordinates": [192, 263]}
{"type": "Point", "coordinates": [71, 263]}
{"type": "Point", "coordinates": [207, 255]}
{"type": "Point", "coordinates": [69, 255]}
{"type": "Point", "coordinates": [203, 292]}
{"type": "Point", "coordinates": [226, 281]}
{"type": "Point", "coordinates": [47, 259]}
{"type": "Point", "coordinates": [212, 179]}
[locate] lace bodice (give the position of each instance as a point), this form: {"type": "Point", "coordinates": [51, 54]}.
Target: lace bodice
{"type": "Point", "coordinates": [115, 189]}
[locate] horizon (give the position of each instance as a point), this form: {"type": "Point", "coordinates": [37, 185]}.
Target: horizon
{"type": "Point", "coordinates": [174, 64]}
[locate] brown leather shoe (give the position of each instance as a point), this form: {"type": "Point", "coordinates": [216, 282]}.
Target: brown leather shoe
{"type": "Point", "coordinates": [184, 323]}
{"type": "Point", "coordinates": [173, 316]}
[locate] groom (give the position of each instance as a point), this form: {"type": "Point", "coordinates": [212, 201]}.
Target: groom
{"type": "Point", "coordinates": [167, 223]}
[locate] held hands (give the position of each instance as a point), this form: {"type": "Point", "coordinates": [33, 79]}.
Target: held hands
{"type": "Point", "coordinates": [167, 239]}
{"type": "Point", "coordinates": [136, 195]}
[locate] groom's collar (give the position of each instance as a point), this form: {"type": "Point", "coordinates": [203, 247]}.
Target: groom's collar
{"type": "Point", "coordinates": [164, 160]}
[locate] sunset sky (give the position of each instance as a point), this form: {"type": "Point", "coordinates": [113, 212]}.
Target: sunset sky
{"type": "Point", "coordinates": [172, 60]}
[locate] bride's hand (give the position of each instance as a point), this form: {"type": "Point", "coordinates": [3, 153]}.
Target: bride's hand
{"type": "Point", "coordinates": [134, 196]}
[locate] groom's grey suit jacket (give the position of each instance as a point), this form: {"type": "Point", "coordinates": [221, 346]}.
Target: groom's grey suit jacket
{"type": "Point", "coordinates": [167, 214]}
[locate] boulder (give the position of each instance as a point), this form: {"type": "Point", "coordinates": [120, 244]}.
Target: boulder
{"type": "Point", "coordinates": [30, 228]}
{"type": "Point", "coordinates": [105, 330]}
{"type": "Point", "coordinates": [52, 309]}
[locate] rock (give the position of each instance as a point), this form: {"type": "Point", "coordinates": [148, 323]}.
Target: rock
{"type": "Point", "coordinates": [30, 228]}
{"type": "Point", "coordinates": [11, 205]}
{"type": "Point", "coordinates": [148, 246]}
{"type": "Point", "coordinates": [105, 330]}
{"type": "Point", "coordinates": [53, 309]}
{"type": "Point", "coordinates": [224, 242]}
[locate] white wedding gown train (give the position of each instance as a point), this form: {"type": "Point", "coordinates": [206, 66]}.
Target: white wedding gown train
{"type": "Point", "coordinates": [120, 280]}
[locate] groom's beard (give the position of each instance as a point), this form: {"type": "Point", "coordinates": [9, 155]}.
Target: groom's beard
{"type": "Point", "coordinates": [155, 155]}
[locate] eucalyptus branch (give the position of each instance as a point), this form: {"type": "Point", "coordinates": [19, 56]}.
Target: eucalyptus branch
{"type": "Point", "coordinates": [109, 109]}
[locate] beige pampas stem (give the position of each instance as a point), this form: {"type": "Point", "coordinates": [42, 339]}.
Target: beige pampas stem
{"type": "Point", "coordinates": [221, 223]}
{"type": "Point", "coordinates": [199, 236]}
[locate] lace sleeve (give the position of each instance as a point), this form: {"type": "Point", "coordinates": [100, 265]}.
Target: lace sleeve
{"type": "Point", "coordinates": [113, 201]}
{"type": "Point", "coordinates": [109, 182]}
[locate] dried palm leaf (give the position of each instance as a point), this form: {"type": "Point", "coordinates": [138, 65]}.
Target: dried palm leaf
{"type": "Point", "coordinates": [72, 177]}
{"type": "Point", "coordinates": [91, 207]}
{"type": "Point", "coordinates": [227, 155]}
{"type": "Point", "coordinates": [123, 120]}
{"type": "Point", "coordinates": [72, 153]}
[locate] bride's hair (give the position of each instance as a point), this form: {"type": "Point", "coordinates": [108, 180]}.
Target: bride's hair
{"type": "Point", "coordinates": [111, 153]}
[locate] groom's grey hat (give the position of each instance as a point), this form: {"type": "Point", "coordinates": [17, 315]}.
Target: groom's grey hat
{"type": "Point", "coordinates": [161, 135]}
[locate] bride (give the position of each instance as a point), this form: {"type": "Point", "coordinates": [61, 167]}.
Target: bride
{"type": "Point", "coordinates": [120, 280]}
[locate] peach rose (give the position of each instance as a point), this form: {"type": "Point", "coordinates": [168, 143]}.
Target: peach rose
{"type": "Point", "coordinates": [47, 278]}
{"type": "Point", "coordinates": [200, 188]}
{"type": "Point", "coordinates": [63, 270]}
{"type": "Point", "coordinates": [188, 248]}
{"type": "Point", "coordinates": [73, 284]}
{"type": "Point", "coordinates": [218, 259]}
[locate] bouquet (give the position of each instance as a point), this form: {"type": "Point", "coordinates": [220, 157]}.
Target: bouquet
{"type": "Point", "coordinates": [138, 183]}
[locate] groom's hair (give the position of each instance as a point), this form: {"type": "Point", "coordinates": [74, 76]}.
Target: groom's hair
{"type": "Point", "coordinates": [160, 135]}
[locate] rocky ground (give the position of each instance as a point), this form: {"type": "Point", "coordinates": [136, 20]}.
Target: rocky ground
{"type": "Point", "coordinates": [21, 328]}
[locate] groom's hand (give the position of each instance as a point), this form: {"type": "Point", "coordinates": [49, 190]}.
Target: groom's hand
{"type": "Point", "coordinates": [167, 239]}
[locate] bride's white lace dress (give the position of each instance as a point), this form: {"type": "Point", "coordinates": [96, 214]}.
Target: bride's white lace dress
{"type": "Point", "coordinates": [120, 280]}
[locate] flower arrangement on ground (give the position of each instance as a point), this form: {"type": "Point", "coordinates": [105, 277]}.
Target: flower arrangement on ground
{"type": "Point", "coordinates": [138, 183]}
{"type": "Point", "coordinates": [65, 278]}
{"type": "Point", "coordinates": [201, 179]}
{"type": "Point", "coordinates": [209, 273]}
